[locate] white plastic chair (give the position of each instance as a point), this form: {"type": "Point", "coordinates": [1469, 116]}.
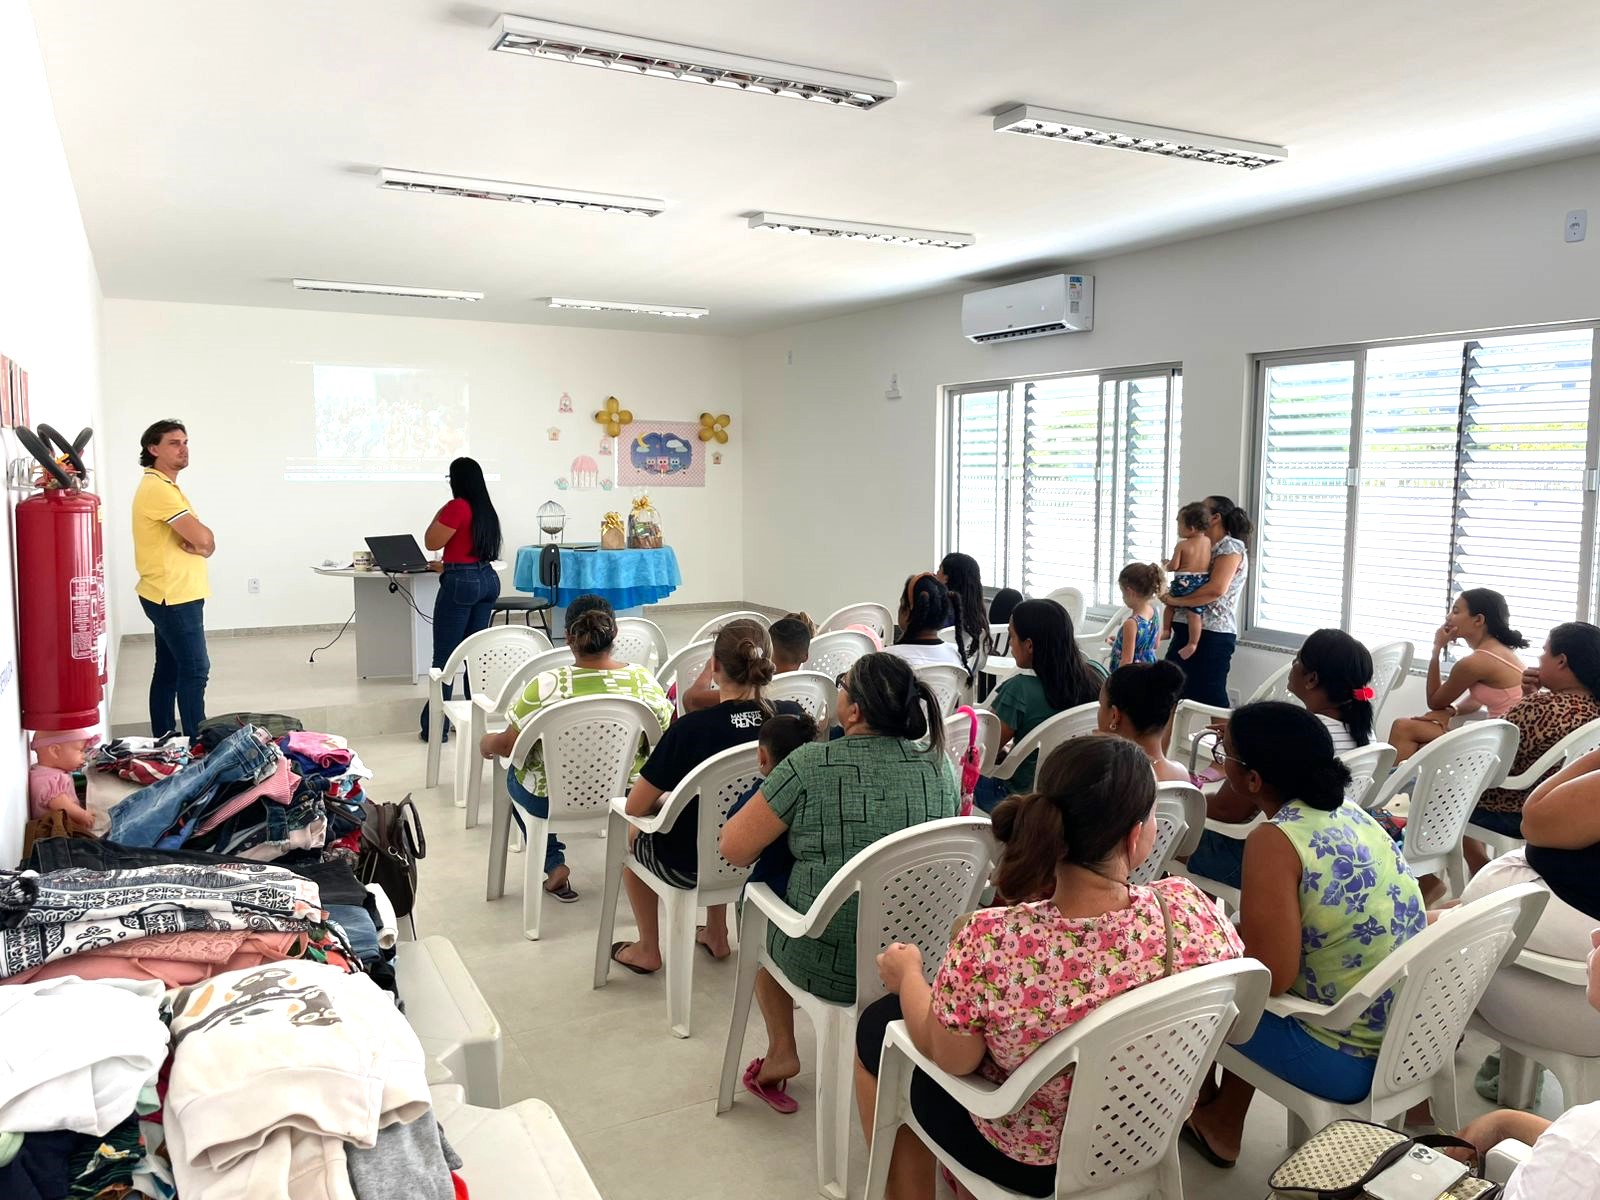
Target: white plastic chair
{"type": "Point", "coordinates": [640, 641]}
{"type": "Point", "coordinates": [712, 627]}
{"type": "Point", "coordinates": [812, 691]}
{"type": "Point", "coordinates": [1436, 980]}
{"type": "Point", "coordinates": [1096, 642]}
{"type": "Point", "coordinates": [833, 653]}
{"type": "Point", "coordinates": [1000, 637]}
{"type": "Point", "coordinates": [1046, 736]}
{"type": "Point", "coordinates": [1504, 1158]}
{"type": "Point", "coordinates": [487, 657]}
{"type": "Point", "coordinates": [1137, 1061]}
{"type": "Point", "coordinates": [1071, 599]}
{"type": "Point", "coordinates": [1391, 663]}
{"type": "Point", "coordinates": [684, 667]}
{"type": "Point", "coordinates": [1445, 780]}
{"type": "Point", "coordinates": [1180, 820]}
{"type": "Point", "coordinates": [589, 746]}
{"type": "Point", "coordinates": [948, 684]}
{"type": "Point", "coordinates": [875, 617]}
{"type": "Point", "coordinates": [490, 714]}
{"type": "Point", "coordinates": [1560, 756]}
{"type": "Point", "coordinates": [717, 782]}
{"type": "Point", "coordinates": [958, 734]}
{"type": "Point", "coordinates": [1191, 718]}
{"type": "Point", "coordinates": [1520, 1059]}
{"type": "Point", "coordinates": [912, 885]}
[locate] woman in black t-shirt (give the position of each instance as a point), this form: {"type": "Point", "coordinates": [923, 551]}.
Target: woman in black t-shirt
{"type": "Point", "coordinates": [742, 667]}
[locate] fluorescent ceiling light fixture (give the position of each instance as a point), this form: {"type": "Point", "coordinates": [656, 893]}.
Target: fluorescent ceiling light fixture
{"type": "Point", "coordinates": [384, 289]}
{"type": "Point", "coordinates": [1130, 135]}
{"type": "Point", "coordinates": [517, 193]}
{"type": "Point", "coordinates": [692, 64]}
{"type": "Point", "coordinates": [823, 227]}
{"type": "Point", "coordinates": [650, 310]}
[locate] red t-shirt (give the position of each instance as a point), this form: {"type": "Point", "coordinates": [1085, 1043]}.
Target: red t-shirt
{"type": "Point", "coordinates": [457, 515]}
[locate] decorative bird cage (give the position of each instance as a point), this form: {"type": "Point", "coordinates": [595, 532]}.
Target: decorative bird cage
{"type": "Point", "coordinates": [552, 521]}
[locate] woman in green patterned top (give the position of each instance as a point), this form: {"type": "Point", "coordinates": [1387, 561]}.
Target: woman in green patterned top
{"type": "Point", "coordinates": [832, 800]}
{"type": "Point", "coordinates": [1326, 897]}
{"type": "Point", "coordinates": [591, 632]}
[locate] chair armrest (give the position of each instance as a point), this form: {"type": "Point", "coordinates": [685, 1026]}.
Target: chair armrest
{"type": "Point", "coordinates": [1504, 1158]}
{"type": "Point", "coordinates": [489, 707]}
{"type": "Point", "coordinates": [435, 674]}
{"type": "Point", "coordinates": [1340, 1016]}
{"type": "Point", "coordinates": [650, 824]}
{"type": "Point", "coordinates": [979, 1096]}
{"type": "Point", "coordinates": [778, 912]}
{"type": "Point", "coordinates": [1567, 970]}
{"type": "Point", "coordinates": [1551, 758]}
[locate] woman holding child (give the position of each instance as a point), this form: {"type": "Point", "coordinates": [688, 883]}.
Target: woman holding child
{"type": "Point", "coordinates": [1228, 528]}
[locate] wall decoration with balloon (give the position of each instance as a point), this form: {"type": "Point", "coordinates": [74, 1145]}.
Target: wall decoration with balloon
{"type": "Point", "coordinates": [714, 428]}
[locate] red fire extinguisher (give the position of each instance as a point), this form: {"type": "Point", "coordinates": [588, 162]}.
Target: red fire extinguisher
{"type": "Point", "coordinates": [61, 581]}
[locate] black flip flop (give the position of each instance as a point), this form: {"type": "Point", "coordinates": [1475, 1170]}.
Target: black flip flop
{"type": "Point", "coordinates": [615, 947]}
{"type": "Point", "coordinates": [565, 894]}
{"type": "Point", "coordinates": [1192, 1135]}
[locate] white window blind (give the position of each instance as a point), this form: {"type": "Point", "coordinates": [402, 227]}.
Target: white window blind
{"type": "Point", "coordinates": [1061, 481]}
{"type": "Point", "coordinates": [1468, 469]}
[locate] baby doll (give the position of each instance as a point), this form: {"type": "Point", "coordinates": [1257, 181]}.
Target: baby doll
{"type": "Point", "coordinates": [58, 754]}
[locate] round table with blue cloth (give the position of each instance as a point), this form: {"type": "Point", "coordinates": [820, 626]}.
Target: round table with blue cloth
{"type": "Point", "coordinates": [627, 578]}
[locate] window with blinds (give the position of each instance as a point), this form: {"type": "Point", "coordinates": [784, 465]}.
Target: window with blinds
{"type": "Point", "coordinates": [1390, 478]}
{"type": "Point", "coordinates": [1061, 481]}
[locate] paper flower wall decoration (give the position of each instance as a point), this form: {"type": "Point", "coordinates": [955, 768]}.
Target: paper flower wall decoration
{"type": "Point", "coordinates": [613, 416]}
{"type": "Point", "coordinates": [715, 428]}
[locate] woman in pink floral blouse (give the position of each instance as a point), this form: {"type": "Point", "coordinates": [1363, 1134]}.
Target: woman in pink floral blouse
{"type": "Point", "coordinates": [1015, 977]}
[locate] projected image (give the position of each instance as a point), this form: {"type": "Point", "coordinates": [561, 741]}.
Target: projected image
{"type": "Point", "coordinates": [393, 423]}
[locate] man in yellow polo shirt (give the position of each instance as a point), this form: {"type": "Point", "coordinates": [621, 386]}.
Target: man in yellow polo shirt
{"type": "Point", "coordinates": [170, 548]}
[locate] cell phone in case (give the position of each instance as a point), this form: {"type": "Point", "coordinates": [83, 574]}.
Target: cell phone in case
{"type": "Point", "coordinates": [1423, 1174]}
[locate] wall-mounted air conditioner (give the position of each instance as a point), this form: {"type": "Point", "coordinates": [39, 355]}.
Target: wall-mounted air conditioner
{"type": "Point", "coordinates": [1035, 308]}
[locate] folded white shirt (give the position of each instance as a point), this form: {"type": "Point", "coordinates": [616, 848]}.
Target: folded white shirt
{"type": "Point", "coordinates": [75, 1053]}
{"type": "Point", "coordinates": [388, 923]}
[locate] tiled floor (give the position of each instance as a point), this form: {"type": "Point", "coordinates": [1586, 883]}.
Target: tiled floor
{"type": "Point", "coordinates": [640, 1103]}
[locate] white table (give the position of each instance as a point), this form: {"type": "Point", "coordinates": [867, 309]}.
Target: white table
{"type": "Point", "coordinates": [394, 629]}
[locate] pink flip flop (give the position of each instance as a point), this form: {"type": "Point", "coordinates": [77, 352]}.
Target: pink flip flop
{"type": "Point", "coordinates": [776, 1095]}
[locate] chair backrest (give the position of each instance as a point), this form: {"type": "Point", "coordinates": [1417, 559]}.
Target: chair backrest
{"type": "Point", "coordinates": [492, 654]}
{"type": "Point", "coordinates": [719, 781]}
{"type": "Point", "coordinates": [1071, 599]}
{"type": "Point", "coordinates": [1275, 687]}
{"type": "Point", "coordinates": [1138, 1062]}
{"type": "Point", "coordinates": [1369, 768]}
{"type": "Point", "coordinates": [832, 653]}
{"type": "Point", "coordinates": [875, 617]}
{"type": "Point", "coordinates": [1445, 779]}
{"type": "Point", "coordinates": [711, 627]}
{"type": "Point", "coordinates": [1053, 731]}
{"type": "Point", "coordinates": [550, 567]}
{"type": "Point", "coordinates": [948, 683]}
{"type": "Point", "coordinates": [811, 690]}
{"type": "Point", "coordinates": [1437, 978]}
{"type": "Point", "coordinates": [684, 667]}
{"type": "Point", "coordinates": [590, 744]}
{"type": "Point", "coordinates": [1563, 754]}
{"type": "Point", "coordinates": [513, 684]}
{"type": "Point", "coordinates": [1180, 820]}
{"type": "Point", "coordinates": [958, 733]}
{"type": "Point", "coordinates": [638, 640]}
{"type": "Point", "coordinates": [1000, 639]}
{"type": "Point", "coordinates": [912, 886]}
{"type": "Point", "coordinates": [1390, 663]}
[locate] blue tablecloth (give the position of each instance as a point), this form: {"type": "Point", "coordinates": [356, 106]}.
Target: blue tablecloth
{"type": "Point", "coordinates": [627, 578]}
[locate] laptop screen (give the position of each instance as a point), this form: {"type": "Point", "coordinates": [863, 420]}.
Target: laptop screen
{"type": "Point", "coordinates": [397, 553]}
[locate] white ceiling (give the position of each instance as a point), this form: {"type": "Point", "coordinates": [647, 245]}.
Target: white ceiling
{"type": "Point", "coordinates": [220, 149]}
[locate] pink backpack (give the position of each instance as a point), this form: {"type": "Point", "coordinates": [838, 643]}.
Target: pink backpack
{"type": "Point", "coordinates": [971, 761]}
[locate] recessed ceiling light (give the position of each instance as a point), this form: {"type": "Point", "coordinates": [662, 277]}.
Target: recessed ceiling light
{"type": "Point", "coordinates": [516, 193]}
{"type": "Point", "coordinates": [650, 310]}
{"type": "Point", "coordinates": [692, 64]}
{"type": "Point", "coordinates": [823, 227]}
{"type": "Point", "coordinates": [384, 289]}
{"type": "Point", "coordinates": [1130, 135]}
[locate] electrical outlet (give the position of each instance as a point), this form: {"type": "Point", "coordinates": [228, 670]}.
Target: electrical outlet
{"type": "Point", "coordinates": [253, 586]}
{"type": "Point", "coordinates": [1577, 225]}
{"type": "Point", "coordinates": [789, 358]}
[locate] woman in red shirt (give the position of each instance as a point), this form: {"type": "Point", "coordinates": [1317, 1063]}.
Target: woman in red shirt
{"type": "Point", "coordinates": [468, 531]}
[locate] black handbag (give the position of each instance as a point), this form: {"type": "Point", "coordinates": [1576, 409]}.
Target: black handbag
{"type": "Point", "coordinates": [391, 843]}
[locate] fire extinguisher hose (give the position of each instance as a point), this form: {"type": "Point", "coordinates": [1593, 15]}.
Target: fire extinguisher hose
{"type": "Point", "coordinates": [37, 444]}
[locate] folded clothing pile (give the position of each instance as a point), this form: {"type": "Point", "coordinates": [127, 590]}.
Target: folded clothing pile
{"type": "Point", "coordinates": [142, 760]}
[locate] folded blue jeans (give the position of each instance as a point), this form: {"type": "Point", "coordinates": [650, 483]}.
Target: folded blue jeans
{"type": "Point", "coordinates": [143, 818]}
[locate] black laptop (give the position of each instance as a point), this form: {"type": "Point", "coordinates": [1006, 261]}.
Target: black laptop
{"type": "Point", "coordinates": [398, 554]}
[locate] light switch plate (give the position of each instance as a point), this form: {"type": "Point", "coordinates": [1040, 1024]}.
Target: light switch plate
{"type": "Point", "coordinates": [1577, 227]}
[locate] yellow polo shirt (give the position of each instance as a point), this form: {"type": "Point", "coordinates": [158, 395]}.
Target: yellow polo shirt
{"type": "Point", "coordinates": [167, 573]}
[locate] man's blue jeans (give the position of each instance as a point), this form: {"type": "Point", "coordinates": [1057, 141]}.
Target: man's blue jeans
{"type": "Point", "coordinates": [182, 667]}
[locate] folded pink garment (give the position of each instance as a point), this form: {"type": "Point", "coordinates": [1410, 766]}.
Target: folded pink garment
{"type": "Point", "coordinates": [177, 959]}
{"type": "Point", "coordinates": [279, 788]}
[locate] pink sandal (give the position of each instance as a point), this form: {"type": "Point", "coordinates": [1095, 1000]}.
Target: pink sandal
{"type": "Point", "coordinates": [776, 1095]}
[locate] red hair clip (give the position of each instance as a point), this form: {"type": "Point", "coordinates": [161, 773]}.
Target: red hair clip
{"type": "Point", "coordinates": [1362, 693]}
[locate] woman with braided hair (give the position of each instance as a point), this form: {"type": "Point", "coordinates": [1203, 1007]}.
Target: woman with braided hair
{"type": "Point", "coordinates": [927, 608]}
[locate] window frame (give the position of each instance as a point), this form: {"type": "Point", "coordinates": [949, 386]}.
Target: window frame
{"type": "Point", "coordinates": [1016, 455]}
{"type": "Point", "coordinates": [1356, 353]}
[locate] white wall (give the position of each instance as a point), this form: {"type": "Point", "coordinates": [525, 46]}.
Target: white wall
{"type": "Point", "coordinates": [49, 323]}
{"type": "Point", "coordinates": [1478, 254]}
{"type": "Point", "coordinates": [240, 378]}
